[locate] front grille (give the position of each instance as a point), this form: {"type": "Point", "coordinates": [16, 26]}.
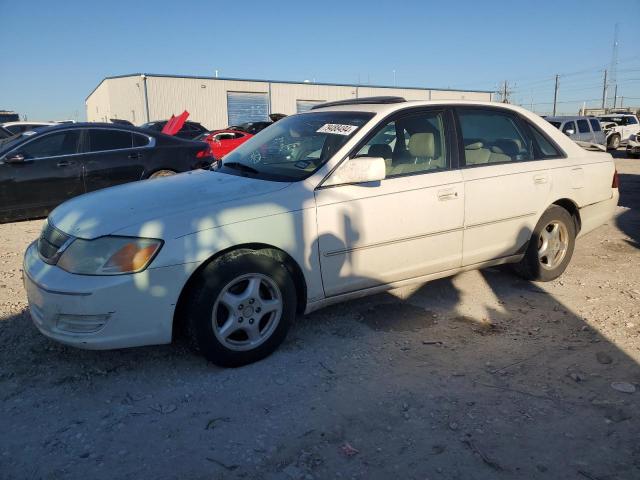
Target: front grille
{"type": "Point", "coordinates": [51, 242]}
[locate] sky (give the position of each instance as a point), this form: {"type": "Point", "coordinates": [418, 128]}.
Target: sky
{"type": "Point", "coordinates": [55, 53]}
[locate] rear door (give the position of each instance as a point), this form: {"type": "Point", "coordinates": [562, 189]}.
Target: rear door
{"type": "Point", "coordinates": [505, 188]}
{"type": "Point", "coordinates": [113, 157]}
{"type": "Point", "coordinates": [584, 131]}
{"type": "Point", "coordinates": [50, 173]}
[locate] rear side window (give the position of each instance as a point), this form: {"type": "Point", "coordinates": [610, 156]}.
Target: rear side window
{"type": "Point", "coordinates": [140, 140]}
{"type": "Point", "coordinates": [583, 126]}
{"type": "Point", "coordinates": [104, 140]}
{"type": "Point", "coordinates": [56, 144]}
{"type": "Point", "coordinates": [545, 148]}
{"type": "Point", "coordinates": [595, 124]}
{"type": "Point", "coordinates": [632, 120]}
{"type": "Point", "coordinates": [493, 137]}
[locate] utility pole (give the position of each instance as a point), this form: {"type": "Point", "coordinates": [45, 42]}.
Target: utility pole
{"type": "Point", "coordinates": [615, 96]}
{"type": "Point", "coordinates": [604, 90]}
{"type": "Point", "coordinates": [555, 95]}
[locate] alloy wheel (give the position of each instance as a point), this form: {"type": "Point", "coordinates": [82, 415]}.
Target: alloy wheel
{"type": "Point", "coordinates": [553, 243]}
{"type": "Point", "coordinates": [247, 312]}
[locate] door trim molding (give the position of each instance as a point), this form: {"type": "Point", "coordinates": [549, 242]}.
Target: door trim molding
{"type": "Point", "coordinates": [391, 242]}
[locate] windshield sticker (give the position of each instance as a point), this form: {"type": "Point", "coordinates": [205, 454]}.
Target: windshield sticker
{"type": "Point", "coordinates": [337, 129]}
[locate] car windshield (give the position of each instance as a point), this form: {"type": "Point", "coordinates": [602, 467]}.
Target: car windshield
{"type": "Point", "coordinates": [616, 120]}
{"type": "Point", "coordinates": [294, 147]}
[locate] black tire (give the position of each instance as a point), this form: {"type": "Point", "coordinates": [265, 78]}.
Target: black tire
{"type": "Point", "coordinates": [165, 172]}
{"type": "Point", "coordinates": [531, 267]}
{"type": "Point", "coordinates": [614, 142]}
{"type": "Point", "coordinates": [210, 283]}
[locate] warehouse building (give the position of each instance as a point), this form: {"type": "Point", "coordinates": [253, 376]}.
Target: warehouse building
{"type": "Point", "coordinates": [220, 102]}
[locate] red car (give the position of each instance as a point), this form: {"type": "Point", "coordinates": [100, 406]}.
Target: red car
{"type": "Point", "coordinates": [224, 141]}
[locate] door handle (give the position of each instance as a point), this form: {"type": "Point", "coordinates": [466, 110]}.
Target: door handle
{"type": "Point", "coordinates": [540, 179]}
{"type": "Point", "coordinates": [65, 163]}
{"type": "Point", "coordinates": [135, 156]}
{"type": "Point", "coordinates": [447, 194]}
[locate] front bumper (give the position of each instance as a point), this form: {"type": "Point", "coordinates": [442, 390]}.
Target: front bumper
{"type": "Point", "coordinates": [102, 312]}
{"type": "Point", "coordinates": [633, 147]}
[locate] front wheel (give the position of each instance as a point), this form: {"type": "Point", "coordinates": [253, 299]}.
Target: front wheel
{"type": "Point", "coordinates": [614, 142]}
{"type": "Point", "coordinates": [241, 308]}
{"type": "Point", "coordinates": [550, 247]}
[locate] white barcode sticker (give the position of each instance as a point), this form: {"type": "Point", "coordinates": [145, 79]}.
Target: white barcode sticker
{"type": "Point", "coordinates": [337, 129]}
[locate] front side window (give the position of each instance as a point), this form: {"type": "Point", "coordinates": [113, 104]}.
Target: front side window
{"type": "Point", "coordinates": [53, 145]}
{"type": "Point", "coordinates": [409, 145]}
{"type": "Point", "coordinates": [631, 120]}
{"type": "Point", "coordinates": [569, 128]}
{"type": "Point", "coordinates": [583, 126]}
{"type": "Point", "coordinates": [595, 124]}
{"type": "Point", "coordinates": [103, 140]}
{"type": "Point", "coordinates": [493, 137]}
{"type": "Point", "coordinates": [295, 147]}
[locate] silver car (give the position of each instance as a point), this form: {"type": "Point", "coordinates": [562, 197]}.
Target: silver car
{"type": "Point", "coordinates": [580, 129]}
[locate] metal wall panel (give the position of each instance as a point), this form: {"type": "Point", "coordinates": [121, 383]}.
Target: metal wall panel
{"type": "Point", "coordinates": [306, 105]}
{"type": "Point", "coordinates": [406, 93]}
{"type": "Point", "coordinates": [247, 107]}
{"type": "Point", "coordinates": [459, 95]}
{"type": "Point", "coordinates": [284, 96]}
{"type": "Point", "coordinates": [206, 98]}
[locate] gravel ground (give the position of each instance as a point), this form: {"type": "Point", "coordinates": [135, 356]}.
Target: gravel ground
{"type": "Point", "coordinates": [480, 376]}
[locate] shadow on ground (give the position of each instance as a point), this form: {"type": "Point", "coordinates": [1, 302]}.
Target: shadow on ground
{"type": "Point", "coordinates": [480, 376]}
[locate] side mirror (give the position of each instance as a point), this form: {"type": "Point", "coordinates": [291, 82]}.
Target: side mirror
{"type": "Point", "coordinates": [358, 170]}
{"type": "Point", "coordinates": [569, 132]}
{"type": "Point", "coordinates": [14, 158]}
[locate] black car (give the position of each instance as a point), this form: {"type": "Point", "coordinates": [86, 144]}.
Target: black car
{"type": "Point", "coordinates": [189, 130]}
{"type": "Point", "coordinates": [4, 133]}
{"type": "Point", "coordinates": [44, 167]}
{"type": "Point", "coordinates": [251, 127]}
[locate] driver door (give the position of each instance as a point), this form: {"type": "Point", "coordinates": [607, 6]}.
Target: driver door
{"type": "Point", "coordinates": [50, 173]}
{"type": "Point", "coordinates": [406, 226]}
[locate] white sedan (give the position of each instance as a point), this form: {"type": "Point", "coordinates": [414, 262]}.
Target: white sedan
{"type": "Point", "coordinates": [346, 200]}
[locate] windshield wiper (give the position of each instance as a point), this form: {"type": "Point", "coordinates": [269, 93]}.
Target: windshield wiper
{"type": "Point", "coordinates": [240, 166]}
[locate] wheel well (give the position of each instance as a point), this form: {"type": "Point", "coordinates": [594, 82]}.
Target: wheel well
{"type": "Point", "coordinates": [573, 210]}
{"type": "Point", "coordinates": [292, 266]}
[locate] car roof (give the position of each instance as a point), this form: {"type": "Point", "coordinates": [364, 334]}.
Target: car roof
{"type": "Point", "coordinates": [387, 108]}
{"type": "Point", "coordinates": [568, 118]}
{"type": "Point", "coordinates": [8, 124]}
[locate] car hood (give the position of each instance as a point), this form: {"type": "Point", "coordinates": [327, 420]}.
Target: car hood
{"type": "Point", "coordinates": [175, 205]}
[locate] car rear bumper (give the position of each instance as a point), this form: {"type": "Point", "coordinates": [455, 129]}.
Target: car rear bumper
{"type": "Point", "coordinates": [594, 215]}
{"type": "Point", "coordinates": [101, 312]}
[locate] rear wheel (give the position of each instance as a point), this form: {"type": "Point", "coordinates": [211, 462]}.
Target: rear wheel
{"type": "Point", "coordinates": [241, 308]}
{"type": "Point", "coordinates": [162, 173]}
{"type": "Point", "coordinates": [550, 247]}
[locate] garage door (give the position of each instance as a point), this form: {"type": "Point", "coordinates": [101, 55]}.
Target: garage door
{"type": "Point", "coordinates": [305, 105]}
{"type": "Point", "coordinates": [247, 107]}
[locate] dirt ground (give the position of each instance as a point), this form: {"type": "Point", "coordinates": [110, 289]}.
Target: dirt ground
{"type": "Point", "coordinates": [481, 376]}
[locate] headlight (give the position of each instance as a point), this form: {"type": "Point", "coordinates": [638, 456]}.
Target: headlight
{"type": "Point", "coordinates": [109, 255]}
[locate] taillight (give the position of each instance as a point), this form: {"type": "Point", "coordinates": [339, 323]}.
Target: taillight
{"type": "Point", "coordinates": [205, 153]}
{"type": "Point", "coordinates": [616, 181]}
